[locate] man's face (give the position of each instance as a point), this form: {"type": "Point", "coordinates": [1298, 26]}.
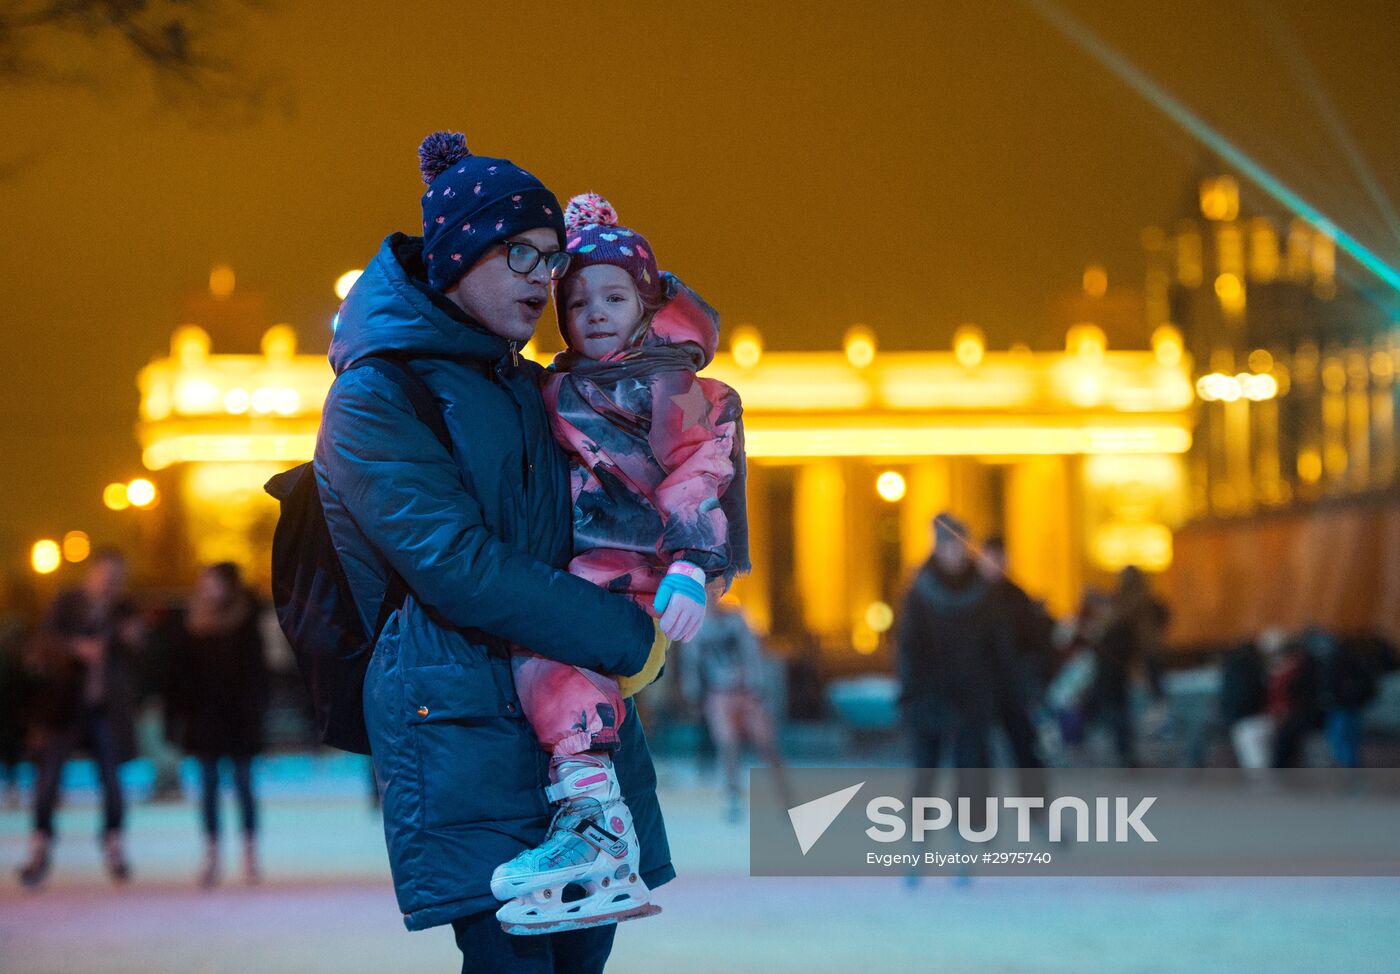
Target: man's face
{"type": "Point", "coordinates": [105, 579]}
{"type": "Point", "coordinates": [992, 565]}
{"type": "Point", "coordinates": [950, 552]}
{"type": "Point", "coordinates": [506, 303]}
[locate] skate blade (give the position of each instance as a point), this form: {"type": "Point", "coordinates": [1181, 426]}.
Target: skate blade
{"type": "Point", "coordinates": [567, 924]}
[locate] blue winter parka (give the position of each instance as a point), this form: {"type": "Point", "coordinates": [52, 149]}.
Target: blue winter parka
{"type": "Point", "coordinates": [479, 535]}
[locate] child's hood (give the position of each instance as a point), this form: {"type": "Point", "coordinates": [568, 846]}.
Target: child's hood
{"type": "Point", "coordinates": [685, 317]}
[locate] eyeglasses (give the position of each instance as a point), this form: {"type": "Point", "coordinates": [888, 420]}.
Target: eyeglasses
{"type": "Point", "coordinates": [523, 258]}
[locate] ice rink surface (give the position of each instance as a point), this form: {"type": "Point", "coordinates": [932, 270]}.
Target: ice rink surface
{"type": "Point", "coordinates": [326, 905]}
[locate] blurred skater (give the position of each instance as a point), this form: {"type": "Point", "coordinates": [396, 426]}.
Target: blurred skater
{"type": "Point", "coordinates": [80, 661]}
{"type": "Point", "coordinates": [1130, 642]}
{"type": "Point", "coordinates": [217, 700]}
{"type": "Point", "coordinates": [955, 667]}
{"type": "Point", "coordinates": [725, 669]}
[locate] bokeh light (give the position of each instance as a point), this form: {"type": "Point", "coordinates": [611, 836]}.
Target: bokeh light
{"type": "Point", "coordinates": [1087, 341]}
{"type": "Point", "coordinates": [346, 281]}
{"type": "Point", "coordinates": [746, 346]}
{"type": "Point", "coordinates": [1167, 344]}
{"type": "Point", "coordinates": [969, 346]}
{"type": "Point", "coordinates": [76, 546]}
{"type": "Point", "coordinates": [860, 346]}
{"type": "Point", "coordinates": [114, 497]}
{"type": "Point", "coordinates": [890, 486]}
{"type": "Point", "coordinates": [1095, 280]}
{"type": "Point", "coordinates": [141, 492]}
{"type": "Point", "coordinates": [1230, 290]}
{"type": "Point", "coordinates": [879, 616]}
{"type": "Point", "coordinates": [221, 281]}
{"type": "Point", "coordinates": [279, 343]}
{"type": "Point", "coordinates": [46, 556]}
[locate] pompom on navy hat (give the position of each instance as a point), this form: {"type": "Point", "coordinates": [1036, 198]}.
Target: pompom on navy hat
{"type": "Point", "coordinates": [473, 203]}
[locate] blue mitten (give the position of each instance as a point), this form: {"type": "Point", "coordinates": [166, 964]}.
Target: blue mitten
{"type": "Point", "coordinates": [678, 584]}
{"type": "Point", "coordinates": [681, 617]}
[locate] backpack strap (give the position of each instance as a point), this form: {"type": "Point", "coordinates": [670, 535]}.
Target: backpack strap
{"type": "Point", "coordinates": [425, 407]}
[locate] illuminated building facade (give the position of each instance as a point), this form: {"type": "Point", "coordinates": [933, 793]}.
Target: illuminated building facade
{"type": "Point", "coordinates": [1295, 442]}
{"type": "Point", "coordinates": [1077, 457]}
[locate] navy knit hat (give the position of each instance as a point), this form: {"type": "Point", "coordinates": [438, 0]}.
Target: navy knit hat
{"type": "Point", "coordinates": [474, 202]}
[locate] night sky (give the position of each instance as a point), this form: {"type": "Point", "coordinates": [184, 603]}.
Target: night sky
{"type": "Point", "coordinates": [805, 166]}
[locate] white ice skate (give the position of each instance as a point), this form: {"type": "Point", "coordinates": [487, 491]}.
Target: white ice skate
{"type": "Point", "coordinates": [585, 873]}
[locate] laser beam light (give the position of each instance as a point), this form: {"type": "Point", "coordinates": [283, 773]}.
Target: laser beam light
{"type": "Point", "coordinates": [1089, 42]}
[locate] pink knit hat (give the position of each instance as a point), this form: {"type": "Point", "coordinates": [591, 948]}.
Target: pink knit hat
{"type": "Point", "coordinates": [593, 236]}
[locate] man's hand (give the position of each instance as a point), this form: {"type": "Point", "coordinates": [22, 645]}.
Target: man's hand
{"type": "Point", "coordinates": [680, 598]}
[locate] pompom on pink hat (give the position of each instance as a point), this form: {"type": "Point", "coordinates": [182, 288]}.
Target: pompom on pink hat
{"type": "Point", "coordinates": [593, 235]}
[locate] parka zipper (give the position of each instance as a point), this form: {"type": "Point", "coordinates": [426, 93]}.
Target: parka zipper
{"type": "Point", "coordinates": [526, 466]}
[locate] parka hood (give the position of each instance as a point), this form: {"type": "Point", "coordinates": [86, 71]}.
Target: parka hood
{"type": "Point", "coordinates": [390, 311]}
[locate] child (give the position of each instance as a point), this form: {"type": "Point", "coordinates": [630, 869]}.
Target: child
{"type": "Point", "coordinates": [657, 474]}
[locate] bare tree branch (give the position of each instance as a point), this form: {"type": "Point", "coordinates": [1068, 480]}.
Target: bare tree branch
{"type": "Point", "coordinates": [175, 41]}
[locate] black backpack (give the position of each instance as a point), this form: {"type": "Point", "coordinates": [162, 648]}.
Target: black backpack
{"type": "Point", "coordinates": [312, 595]}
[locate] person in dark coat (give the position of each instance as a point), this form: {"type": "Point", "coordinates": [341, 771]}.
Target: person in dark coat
{"type": "Point", "coordinates": [480, 533]}
{"type": "Point", "coordinates": [1293, 697]}
{"type": "Point", "coordinates": [1031, 661]}
{"type": "Point", "coordinates": [14, 702]}
{"type": "Point", "coordinates": [1244, 696]}
{"type": "Point", "coordinates": [81, 659]}
{"type": "Point", "coordinates": [1130, 641]}
{"type": "Point", "coordinates": [954, 665]}
{"type": "Point", "coordinates": [217, 699]}
{"type": "Point", "coordinates": [1328, 685]}
{"type": "Point", "coordinates": [1349, 679]}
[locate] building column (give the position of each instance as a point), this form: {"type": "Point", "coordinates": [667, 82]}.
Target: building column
{"type": "Point", "coordinates": [819, 541]}
{"type": "Point", "coordinates": [1040, 549]}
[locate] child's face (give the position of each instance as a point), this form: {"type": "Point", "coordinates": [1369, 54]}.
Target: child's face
{"type": "Point", "coordinates": [602, 310]}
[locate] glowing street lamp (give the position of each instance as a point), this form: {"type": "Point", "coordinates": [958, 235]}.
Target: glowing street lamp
{"type": "Point", "coordinates": [222, 281]}
{"type": "Point", "coordinates": [114, 497]}
{"type": "Point", "coordinates": [879, 616]}
{"type": "Point", "coordinates": [1167, 344]}
{"type": "Point", "coordinates": [1087, 341]}
{"type": "Point", "coordinates": [890, 486]}
{"type": "Point", "coordinates": [141, 492]}
{"type": "Point", "coordinates": [969, 345]}
{"type": "Point", "coordinates": [346, 281]}
{"type": "Point", "coordinates": [1095, 281]}
{"type": "Point", "coordinates": [860, 346]}
{"type": "Point", "coordinates": [746, 347]}
{"type": "Point", "coordinates": [46, 556]}
{"type": "Point", "coordinates": [1230, 290]}
{"type": "Point", "coordinates": [76, 546]}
